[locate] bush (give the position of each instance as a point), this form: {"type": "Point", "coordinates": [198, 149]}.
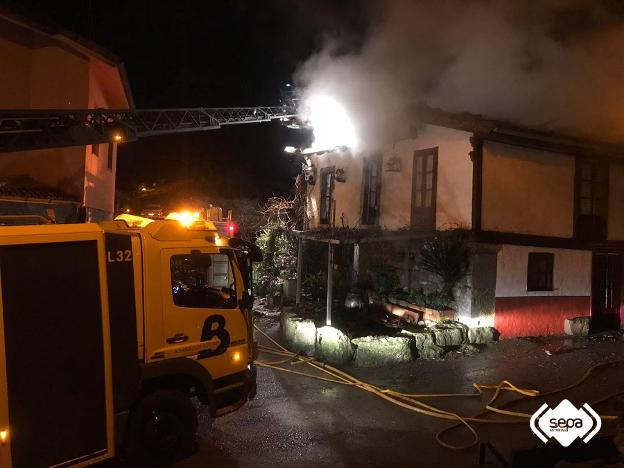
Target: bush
{"type": "Point", "coordinates": [279, 249]}
{"type": "Point", "coordinates": [447, 256]}
{"type": "Point", "coordinates": [386, 281]}
{"type": "Point", "coordinates": [432, 299]}
{"type": "Point", "coordinates": [278, 245]}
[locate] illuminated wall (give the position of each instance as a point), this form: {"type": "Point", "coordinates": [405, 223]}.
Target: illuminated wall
{"type": "Point", "coordinates": [527, 191]}
{"type": "Point", "coordinates": [41, 71]}
{"type": "Point", "coordinates": [520, 312]}
{"type": "Point", "coordinates": [348, 194]}
{"type": "Point", "coordinates": [39, 78]}
{"type": "Point", "coordinates": [454, 193]}
{"type": "Point", "coordinates": [105, 91]}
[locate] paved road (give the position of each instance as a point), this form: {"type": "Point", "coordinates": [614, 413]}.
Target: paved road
{"type": "Point", "coordinates": [296, 421]}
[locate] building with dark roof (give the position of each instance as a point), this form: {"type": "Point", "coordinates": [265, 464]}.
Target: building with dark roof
{"type": "Point", "coordinates": [543, 214]}
{"type": "Point", "coordinates": [44, 67]}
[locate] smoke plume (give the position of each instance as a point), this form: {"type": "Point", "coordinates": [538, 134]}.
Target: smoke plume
{"type": "Point", "coordinates": [552, 64]}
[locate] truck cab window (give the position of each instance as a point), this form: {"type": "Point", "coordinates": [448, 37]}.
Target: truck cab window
{"type": "Point", "coordinates": [201, 280]}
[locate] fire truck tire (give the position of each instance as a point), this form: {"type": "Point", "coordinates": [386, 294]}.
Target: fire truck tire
{"type": "Point", "coordinates": [161, 429]}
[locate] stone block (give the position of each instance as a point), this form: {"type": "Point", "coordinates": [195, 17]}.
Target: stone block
{"type": "Point", "coordinates": [333, 346]}
{"type": "Point", "coordinates": [425, 344]}
{"type": "Point", "coordinates": [299, 333]}
{"type": "Point", "coordinates": [482, 335]}
{"type": "Point", "coordinates": [431, 351]}
{"type": "Point", "coordinates": [577, 326]}
{"type": "Point", "coordinates": [449, 334]}
{"type": "Point", "coordinates": [376, 351]}
{"type": "Point", "coordinates": [468, 349]}
{"type": "Point", "coordinates": [421, 338]}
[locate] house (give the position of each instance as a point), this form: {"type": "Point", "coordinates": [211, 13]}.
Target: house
{"type": "Point", "coordinates": [545, 215]}
{"type": "Point", "coordinates": [43, 67]}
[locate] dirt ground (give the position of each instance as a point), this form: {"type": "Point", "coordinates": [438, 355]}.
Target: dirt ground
{"type": "Point", "coordinates": [298, 421]}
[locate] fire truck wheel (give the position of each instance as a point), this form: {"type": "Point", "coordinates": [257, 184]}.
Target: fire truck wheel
{"type": "Point", "coordinates": [161, 429]}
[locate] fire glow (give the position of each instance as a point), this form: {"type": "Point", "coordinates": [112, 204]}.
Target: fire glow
{"type": "Point", "coordinates": [330, 122]}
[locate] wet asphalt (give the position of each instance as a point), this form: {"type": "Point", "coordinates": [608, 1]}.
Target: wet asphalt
{"type": "Point", "coordinates": [296, 421]}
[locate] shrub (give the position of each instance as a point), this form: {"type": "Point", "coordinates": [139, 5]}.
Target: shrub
{"type": "Point", "coordinates": [447, 256]}
{"type": "Point", "coordinates": [279, 249]}
{"type": "Point", "coordinates": [386, 281]}
{"type": "Point", "coordinates": [432, 299]}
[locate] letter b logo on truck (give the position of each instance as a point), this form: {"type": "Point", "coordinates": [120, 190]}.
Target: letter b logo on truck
{"type": "Point", "coordinates": [210, 331]}
{"type": "Point", "coordinates": [565, 423]}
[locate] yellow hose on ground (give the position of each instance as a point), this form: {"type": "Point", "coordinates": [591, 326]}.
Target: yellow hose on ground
{"type": "Point", "coordinates": [410, 401]}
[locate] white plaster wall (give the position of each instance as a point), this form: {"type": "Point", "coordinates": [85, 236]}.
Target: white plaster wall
{"type": "Point", "coordinates": [571, 272]}
{"type": "Point", "coordinates": [99, 182]}
{"type": "Point", "coordinates": [348, 195]}
{"type": "Point", "coordinates": [454, 194]}
{"type": "Point", "coordinates": [615, 224]}
{"type": "Point", "coordinates": [527, 191]}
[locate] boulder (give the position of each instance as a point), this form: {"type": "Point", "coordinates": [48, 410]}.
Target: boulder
{"type": "Point", "coordinates": [577, 326]}
{"type": "Point", "coordinates": [375, 351]}
{"type": "Point", "coordinates": [449, 334]}
{"type": "Point", "coordinates": [299, 333]}
{"type": "Point", "coordinates": [425, 344]}
{"type": "Point", "coordinates": [431, 352]}
{"type": "Point", "coordinates": [482, 335]}
{"type": "Point", "coordinates": [421, 338]}
{"type": "Point", "coordinates": [468, 349]}
{"type": "Point", "coordinates": [333, 346]}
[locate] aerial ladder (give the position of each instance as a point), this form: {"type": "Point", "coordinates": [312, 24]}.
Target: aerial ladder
{"type": "Point", "coordinates": [22, 130]}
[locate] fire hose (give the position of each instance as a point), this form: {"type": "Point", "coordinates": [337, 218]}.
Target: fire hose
{"type": "Point", "coordinates": [411, 401]}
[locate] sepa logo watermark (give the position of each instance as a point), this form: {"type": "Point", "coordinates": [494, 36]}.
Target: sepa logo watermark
{"type": "Point", "coordinates": [565, 423]}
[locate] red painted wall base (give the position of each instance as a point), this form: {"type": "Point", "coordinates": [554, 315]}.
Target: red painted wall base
{"type": "Point", "coordinates": [537, 315]}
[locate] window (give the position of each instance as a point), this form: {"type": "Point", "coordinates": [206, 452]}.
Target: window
{"type": "Point", "coordinates": [327, 190]}
{"type": "Point", "coordinates": [110, 156]}
{"type": "Point", "coordinates": [95, 149]}
{"type": "Point", "coordinates": [592, 184]}
{"type": "Point", "coordinates": [202, 280]}
{"type": "Point", "coordinates": [540, 271]}
{"type": "Point", "coordinates": [424, 188]}
{"type": "Point", "coordinates": [371, 189]}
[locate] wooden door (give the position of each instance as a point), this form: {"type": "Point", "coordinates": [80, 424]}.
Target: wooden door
{"type": "Point", "coordinates": [606, 291]}
{"type": "Point", "coordinates": [424, 189]}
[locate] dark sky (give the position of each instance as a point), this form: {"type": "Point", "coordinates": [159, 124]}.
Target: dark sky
{"type": "Point", "coordinates": [210, 53]}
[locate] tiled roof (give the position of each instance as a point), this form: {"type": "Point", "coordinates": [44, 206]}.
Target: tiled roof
{"type": "Point", "coordinates": [36, 193]}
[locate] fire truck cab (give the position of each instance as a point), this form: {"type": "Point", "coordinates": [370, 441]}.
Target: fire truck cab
{"type": "Point", "coordinates": [106, 333]}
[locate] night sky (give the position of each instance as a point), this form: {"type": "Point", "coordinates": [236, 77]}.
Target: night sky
{"type": "Point", "coordinates": [216, 53]}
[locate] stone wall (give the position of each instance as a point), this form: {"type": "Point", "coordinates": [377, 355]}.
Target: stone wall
{"type": "Point", "coordinates": [334, 346]}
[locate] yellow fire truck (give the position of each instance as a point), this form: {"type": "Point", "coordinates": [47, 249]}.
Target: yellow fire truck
{"type": "Point", "coordinates": [106, 333]}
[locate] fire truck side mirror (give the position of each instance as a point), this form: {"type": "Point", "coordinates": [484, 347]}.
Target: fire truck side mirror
{"type": "Point", "coordinates": [255, 254]}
